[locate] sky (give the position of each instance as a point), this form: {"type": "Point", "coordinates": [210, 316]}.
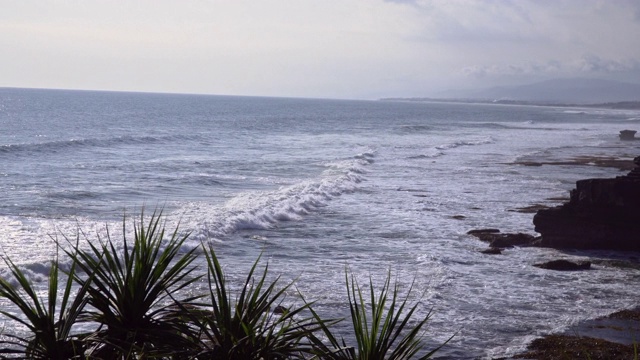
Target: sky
{"type": "Point", "coordinates": [346, 49]}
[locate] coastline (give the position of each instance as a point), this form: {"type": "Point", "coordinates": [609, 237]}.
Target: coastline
{"type": "Point", "coordinates": [615, 336]}
{"type": "Point", "coordinates": [621, 105]}
{"type": "Point", "coordinates": [599, 161]}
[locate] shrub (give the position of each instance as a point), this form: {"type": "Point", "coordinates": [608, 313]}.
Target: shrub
{"type": "Point", "coordinates": [129, 292]}
{"type": "Point", "coordinates": [125, 297]}
{"type": "Point", "coordinates": [256, 325]}
{"type": "Point", "coordinates": [381, 327]}
{"type": "Point", "coordinates": [49, 324]}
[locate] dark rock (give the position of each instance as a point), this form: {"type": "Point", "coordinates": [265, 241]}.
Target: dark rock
{"type": "Point", "coordinates": [499, 240]}
{"type": "Point", "coordinates": [492, 251]}
{"type": "Point", "coordinates": [576, 347]}
{"type": "Point", "coordinates": [510, 240]}
{"type": "Point", "coordinates": [628, 135]}
{"type": "Point", "coordinates": [618, 263]}
{"type": "Point", "coordinates": [627, 314]}
{"type": "Point", "coordinates": [564, 265]}
{"type": "Point", "coordinates": [280, 310]}
{"type": "Point", "coordinates": [458, 217]}
{"type": "Point", "coordinates": [600, 214]}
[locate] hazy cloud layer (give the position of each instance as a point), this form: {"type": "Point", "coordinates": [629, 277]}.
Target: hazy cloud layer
{"type": "Point", "coordinates": [588, 65]}
{"type": "Point", "coordinates": [345, 49]}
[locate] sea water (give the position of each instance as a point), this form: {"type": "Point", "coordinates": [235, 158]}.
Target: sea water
{"type": "Point", "coordinates": [320, 188]}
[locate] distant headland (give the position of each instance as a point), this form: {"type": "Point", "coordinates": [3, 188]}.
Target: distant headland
{"type": "Point", "coordinates": [622, 105]}
{"type": "Point", "coordinates": [575, 92]}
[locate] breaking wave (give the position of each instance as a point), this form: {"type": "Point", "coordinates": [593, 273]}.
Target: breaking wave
{"type": "Point", "coordinates": [64, 145]}
{"type": "Point", "coordinates": [459, 143]}
{"type": "Point", "coordinates": [259, 210]}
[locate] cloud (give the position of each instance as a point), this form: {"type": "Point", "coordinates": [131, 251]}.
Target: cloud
{"type": "Point", "coordinates": [590, 65]}
{"type": "Point", "coordinates": [410, 2]}
{"type": "Point", "coordinates": [530, 68]}
{"type": "Point", "coordinates": [595, 64]}
{"type": "Point", "coordinates": [336, 48]}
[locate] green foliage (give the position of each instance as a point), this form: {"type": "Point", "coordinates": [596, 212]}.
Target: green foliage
{"type": "Point", "coordinates": [381, 328]}
{"type": "Point", "coordinates": [249, 327]}
{"type": "Point", "coordinates": [129, 292]}
{"type": "Point", "coordinates": [50, 325]}
{"type": "Point", "coordinates": [125, 297]}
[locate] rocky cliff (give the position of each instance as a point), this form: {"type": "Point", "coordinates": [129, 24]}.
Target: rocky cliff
{"type": "Point", "coordinates": [601, 214]}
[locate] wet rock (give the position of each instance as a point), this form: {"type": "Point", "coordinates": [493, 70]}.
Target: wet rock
{"type": "Point", "coordinates": [500, 240]}
{"type": "Point", "coordinates": [618, 263]}
{"type": "Point", "coordinates": [628, 135]}
{"type": "Point", "coordinates": [626, 314]}
{"type": "Point", "coordinates": [564, 265]}
{"type": "Point", "coordinates": [511, 240]}
{"type": "Point", "coordinates": [576, 347]}
{"type": "Point", "coordinates": [492, 251]}
{"type": "Point", "coordinates": [281, 310]}
{"type": "Point", "coordinates": [483, 231]}
{"type": "Point", "coordinates": [600, 214]}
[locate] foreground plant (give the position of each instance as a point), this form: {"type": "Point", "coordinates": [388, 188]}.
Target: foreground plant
{"type": "Point", "coordinates": [49, 322]}
{"type": "Point", "coordinates": [254, 325]}
{"type": "Point", "coordinates": [130, 298]}
{"type": "Point", "coordinates": [129, 293]}
{"type": "Point", "coordinates": [381, 327]}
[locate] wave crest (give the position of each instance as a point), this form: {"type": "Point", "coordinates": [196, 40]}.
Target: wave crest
{"type": "Point", "coordinates": [260, 210]}
{"type": "Point", "coordinates": [62, 145]}
{"type": "Point", "coordinates": [459, 143]}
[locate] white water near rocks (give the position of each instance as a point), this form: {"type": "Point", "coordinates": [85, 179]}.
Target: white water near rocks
{"type": "Point", "coordinates": [318, 186]}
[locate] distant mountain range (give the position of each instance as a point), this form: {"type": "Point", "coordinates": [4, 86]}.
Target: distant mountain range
{"type": "Point", "coordinates": [559, 91]}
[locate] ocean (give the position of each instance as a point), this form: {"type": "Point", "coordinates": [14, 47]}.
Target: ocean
{"type": "Point", "coordinates": [320, 187]}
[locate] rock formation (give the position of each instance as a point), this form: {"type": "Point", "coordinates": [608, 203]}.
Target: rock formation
{"type": "Point", "coordinates": [628, 135]}
{"type": "Point", "coordinates": [601, 214]}
{"type": "Point", "coordinates": [564, 265]}
{"type": "Point", "coordinates": [500, 240]}
{"type": "Point", "coordinates": [492, 251]}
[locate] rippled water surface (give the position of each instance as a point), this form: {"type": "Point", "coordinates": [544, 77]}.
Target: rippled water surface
{"type": "Point", "coordinates": [319, 186]}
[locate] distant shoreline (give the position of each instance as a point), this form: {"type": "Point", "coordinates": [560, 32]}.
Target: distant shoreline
{"type": "Point", "coordinates": [622, 105]}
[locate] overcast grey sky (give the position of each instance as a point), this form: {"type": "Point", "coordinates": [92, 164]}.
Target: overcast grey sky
{"type": "Point", "coordinates": [314, 48]}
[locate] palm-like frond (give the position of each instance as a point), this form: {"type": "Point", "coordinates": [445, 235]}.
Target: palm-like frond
{"type": "Point", "coordinates": [129, 291]}
{"type": "Point", "coordinates": [50, 325]}
{"type": "Point", "coordinates": [248, 327]}
{"type": "Point", "coordinates": [134, 296]}
{"type": "Point", "coordinates": [381, 328]}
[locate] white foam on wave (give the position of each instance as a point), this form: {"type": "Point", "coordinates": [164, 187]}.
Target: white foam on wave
{"type": "Point", "coordinates": [600, 112]}
{"type": "Point", "coordinates": [459, 143]}
{"type": "Point", "coordinates": [29, 243]}
{"type": "Point", "coordinates": [259, 210]}
{"type": "Point", "coordinates": [427, 156]}
{"type": "Point", "coordinates": [244, 211]}
{"type": "Point", "coordinates": [32, 243]}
